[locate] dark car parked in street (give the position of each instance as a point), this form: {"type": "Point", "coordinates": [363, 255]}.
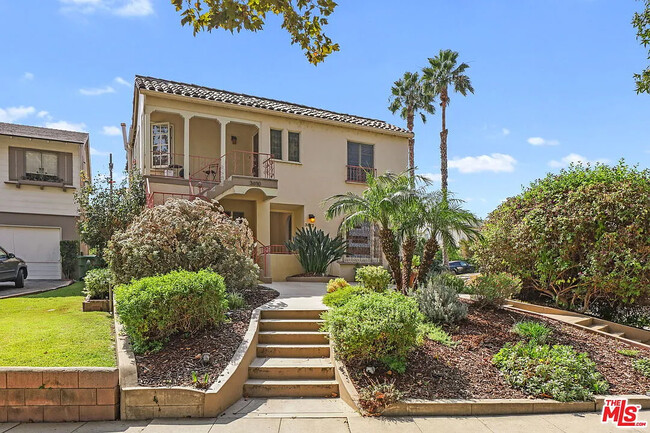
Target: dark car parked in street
{"type": "Point", "coordinates": [461, 267]}
{"type": "Point", "coordinates": [12, 268]}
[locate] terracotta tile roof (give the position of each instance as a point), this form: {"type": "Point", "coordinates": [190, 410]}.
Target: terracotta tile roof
{"type": "Point", "coordinates": [210, 94]}
{"type": "Point", "coordinates": [43, 133]}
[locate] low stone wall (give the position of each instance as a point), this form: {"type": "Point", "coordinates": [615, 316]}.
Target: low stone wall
{"type": "Point", "coordinates": [31, 394]}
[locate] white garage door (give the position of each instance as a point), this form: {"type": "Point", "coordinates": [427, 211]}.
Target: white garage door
{"type": "Point", "coordinates": [37, 246]}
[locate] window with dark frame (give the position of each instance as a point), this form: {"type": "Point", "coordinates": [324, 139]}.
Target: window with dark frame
{"type": "Point", "coordinates": [363, 244]}
{"type": "Point", "coordinates": [294, 146]}
{"type": "Point", "coordinates": [361, 159]}
{"type": "Point", "coordinates": [38, 165]}
{"type": "Point", "coordinates": [276, 144]}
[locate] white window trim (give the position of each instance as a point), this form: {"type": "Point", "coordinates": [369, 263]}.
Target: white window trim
{"type": "Point", "coordinates": [170, 133]}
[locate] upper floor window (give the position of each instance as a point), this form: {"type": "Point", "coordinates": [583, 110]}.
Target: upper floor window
{"type": "Point", "coordinates": [276, 144]}
{"type": "Point", "coordinates": [161, 144]}
{"type": "Point", "coordinates": [40, 165]}
{"type": "Point", "coordinates": [294, 146]}
{"type": "Point", "coordinates": [361, 159]}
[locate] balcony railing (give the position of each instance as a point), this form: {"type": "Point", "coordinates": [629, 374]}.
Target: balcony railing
{"type": "Point", "coordinates": [359, 174]}
{"type": "Point", "coordinates": [244, 163]}
{"type": "Point", "coordinates": [158, 198]}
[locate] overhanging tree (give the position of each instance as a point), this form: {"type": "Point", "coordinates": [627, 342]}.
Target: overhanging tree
{"type": "Point", "coordinates": [303, 19]}
{"type": "Point", "coordinates": [641, 23]}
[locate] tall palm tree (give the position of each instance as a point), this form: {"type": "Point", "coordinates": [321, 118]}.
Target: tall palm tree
{"type": "Point", "coordinates": [378, 204]}
{"type": "Point", "coordinates": [442, 73]}
{"type": "Point", "coordinates": [409, 96]}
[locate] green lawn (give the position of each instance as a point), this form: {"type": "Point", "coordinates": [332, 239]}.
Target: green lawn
{"type": "Point", "coordinates": [50, 330]}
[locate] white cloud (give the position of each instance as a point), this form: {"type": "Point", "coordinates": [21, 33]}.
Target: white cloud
{"type": "Point", "coordinates": [505, 131]}
{"type": "Point", "coordinates": [122, 81]}
{"type": "Point", "coordinates": [495, 162]}
{"type": "Point", "coordinates": [44, 115]}
{"type": "Point", "coordinates": [124, 8]}
{"type": "Point", "coordinates": [12, 114]}
{"type": "Point", "coordinates": [28, 76]}
{"type": "Point", "coordinates": [67, 126]}
{"type": "Point", "coordinates": [96, 152]}
{"type": "Point", "coordinates": [111, 130]}
{"type": "Point", "coordinates": [97, 91]}
{"type": "Point", "coordinates": [539, 141]}
{"type": "Point", "coordinates": [135, 8]}
{"type": "Point", "coordinates": [574, 158]}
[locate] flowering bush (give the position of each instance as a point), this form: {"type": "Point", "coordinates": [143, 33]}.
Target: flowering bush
{"type": "Point", "coordinates": [189, 235]}
{"type": "Point", "coordinates": [576, 235]}
{"type": "Point", "coordinates": [336, 284]}
{"type": "Point", "coordinates": [98, 283]}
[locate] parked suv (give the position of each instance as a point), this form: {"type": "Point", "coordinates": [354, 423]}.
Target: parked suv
{"type": "Point", "coordinates": [12, 268]}
{"type": "Point", "coordinates": [460, 267]}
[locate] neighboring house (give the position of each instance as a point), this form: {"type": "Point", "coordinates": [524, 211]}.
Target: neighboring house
{"type": "Point", "coordinates": [271, 162]}
{"type": "Point", "coordinates": [39, 174]}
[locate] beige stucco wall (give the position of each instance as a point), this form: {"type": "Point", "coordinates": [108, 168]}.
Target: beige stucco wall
{"type": "Point", "coordinates": [321, 172]}
{"type": "Point", "coordinates": [32, 199]}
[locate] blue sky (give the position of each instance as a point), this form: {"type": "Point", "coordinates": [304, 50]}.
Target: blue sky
{"type": "Point", "coordinates": [553, 78]}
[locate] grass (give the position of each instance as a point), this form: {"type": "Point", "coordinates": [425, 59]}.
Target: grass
{"type": "Point", "coordinates": [50, 330]}
{"type": "Point", "coordinates": [435, 333]}
{"type": "Point", "coordinates": [633, 353]}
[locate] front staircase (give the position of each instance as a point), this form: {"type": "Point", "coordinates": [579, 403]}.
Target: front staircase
{"type": "Point", "coordinates": [293, 357]}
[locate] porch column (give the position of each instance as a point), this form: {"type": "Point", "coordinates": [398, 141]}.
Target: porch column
{"type": "Point", "coordinates": [145, 145]}
{"type": "Point", "coordinates": [223, 123]}
{"type": "Point", "coordinates": [186, 145]}
{"type": "Point", "coordinates": [263, 217]}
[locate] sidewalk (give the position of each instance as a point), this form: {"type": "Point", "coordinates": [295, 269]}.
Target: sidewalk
{"type": "Point", "coordinates": [569, 423]}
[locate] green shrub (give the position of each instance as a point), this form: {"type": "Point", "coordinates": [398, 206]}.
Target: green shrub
{"type": "Point", "coordinates": [532, 331]}
{"type": "Point", "coordinates": [575, 236]}
{"type": "Point", "coordinates": [374, 327]}
{"type": "Point", "coordinates": [189, 235]}
{"type": "Point", "coordinates": [632, 353]}
{"type": "Point", "coordinates": [494, 289]}
{"type": "Point", "coordinates": [336, 284]}
{"type": "Point", "coordinates": [558, 372]}
{"type": "Point", "coordinates": [69, 263]}
{"type": "Point", "coordinates": [438, 300]}
{"type": "Point", "coordinates": [98, 283]}
{"type": "Point", "coordinates": [235, 301]}
{"type": "Point", "coordinates": [642, 365]}
{"type": "Point", "coordinates": [374, 278]}
{"type": "Point", "coordinates": [316, 249]}
{"type": "Point", "coordinates": [154, 308]}
{"type": "Point", "coordinates": [435, 333]}
{"type": "Point", "coordinates": [342, 296]}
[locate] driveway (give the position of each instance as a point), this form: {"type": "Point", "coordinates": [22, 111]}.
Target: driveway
{"type": "Point", "coordinates": [7, 290]}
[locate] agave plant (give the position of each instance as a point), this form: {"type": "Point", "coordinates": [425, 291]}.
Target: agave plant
{"type": "Point", "coordinates": [316, 249]}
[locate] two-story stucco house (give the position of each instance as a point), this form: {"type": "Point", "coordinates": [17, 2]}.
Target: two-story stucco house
{"type": "Point", "coordinates": [39, 174]}
{"type": "Point", "coordinates": [271, 162]}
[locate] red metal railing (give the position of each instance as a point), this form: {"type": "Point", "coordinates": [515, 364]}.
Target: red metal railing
{"type": "Point", "coordinates": [359, 174]}
{"type": "Point", "coordinates": [158, 198]}
{"type": "Point", "coordinates": [276, 249]}
{"type": "Point", "coordinates": [244, 163]}
{"type": "Point", "coordinates": [172, 165]}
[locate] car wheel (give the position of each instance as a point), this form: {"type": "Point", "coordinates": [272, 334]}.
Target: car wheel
{"type": "Point", "coordinates": [20, 279]}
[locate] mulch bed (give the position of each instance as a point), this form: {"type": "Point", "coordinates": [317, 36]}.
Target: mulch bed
{"type": "Point", "coordinates": [436, 371]}
{"type": "Point", "coordinates": [174, 364]}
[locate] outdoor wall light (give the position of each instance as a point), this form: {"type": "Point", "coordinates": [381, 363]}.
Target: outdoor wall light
{"type": "Point", "coordinates": [233, 139]}
{"type": "Point", "coordinates": [311, 218]}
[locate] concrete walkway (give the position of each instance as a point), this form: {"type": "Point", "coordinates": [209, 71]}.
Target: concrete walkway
{"type": "Point", "coordinates": [305, 296]}
{"type": "Point", "coordinates": [7, 290]}
{"type": "Point", "coordinates": [568, 423]}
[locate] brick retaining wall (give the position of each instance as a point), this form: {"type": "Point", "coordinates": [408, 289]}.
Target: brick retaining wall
{"type": "Point", "coordinates": [58, 394]}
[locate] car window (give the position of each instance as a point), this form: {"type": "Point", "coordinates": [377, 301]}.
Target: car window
{"type": "Point", "coordinates": [463, 263]}
{"type": "Point", "coordinates": [3, 254]}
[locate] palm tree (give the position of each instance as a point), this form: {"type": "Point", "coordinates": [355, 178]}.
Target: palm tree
{"type": "Point", "coordinates": [378, 204]}
{"type": "Point", "coordinates": [444, 219]}
{"type": "Point", "coordinates": [409, 96]}
{"type": "Point", "coordinates": [444, 71]}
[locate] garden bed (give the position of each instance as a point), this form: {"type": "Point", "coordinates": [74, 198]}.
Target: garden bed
{"type": "Point", "coordinates": [181, 355]}
{"type": "Point", "coordinates": [436, 371]}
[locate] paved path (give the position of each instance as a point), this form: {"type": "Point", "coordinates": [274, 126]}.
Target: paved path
{"type": "Point", "coordinates": [569, 423]}
{"type": "Point", "coordinates": [298, 295]}
{"type": "Point", "coordinates": [7, 290]}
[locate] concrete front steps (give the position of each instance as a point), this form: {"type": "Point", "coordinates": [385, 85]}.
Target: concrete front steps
{"type": "Point", "coordinates": [293, 357]}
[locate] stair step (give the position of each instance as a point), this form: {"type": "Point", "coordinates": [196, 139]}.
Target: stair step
{"type": "Point", "coordinates": [601, 328]}
{"type": "Point", "coordinates": [293, 351]}
{"type": "Point", "coordinates": [290, 324]}
{"type": "Point", "coordinates": [293, 337]}
{"type": "Point", "coordinates": [292, 314]}
{"type": "Point", "coordinates": [618, 334]}
{"type": "Point", "coordinates": [290, 388]}
{"type": "Point", "coordinates": [291, 368]}
{"type": "Point", "coordinates": [584, 322]}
